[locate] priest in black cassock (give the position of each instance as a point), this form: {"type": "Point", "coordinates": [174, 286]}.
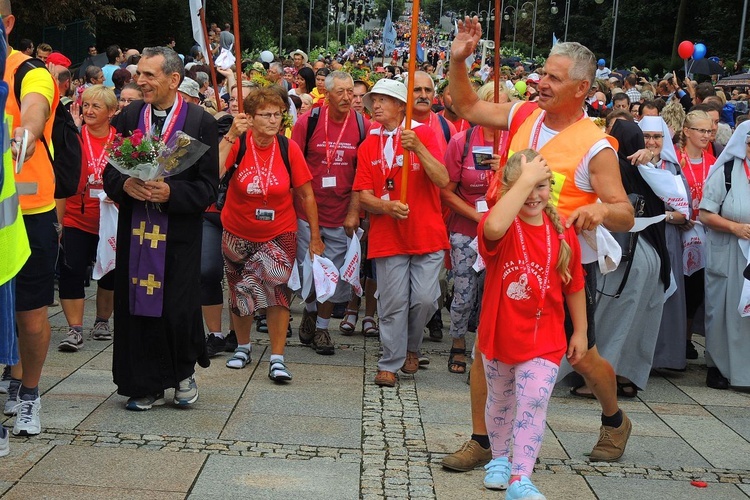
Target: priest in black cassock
{"type": "Point", "coordinates": [158, 327]}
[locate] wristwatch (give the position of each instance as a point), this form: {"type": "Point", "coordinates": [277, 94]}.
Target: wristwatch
{"type": "Point", "coordinates": [671, 215]}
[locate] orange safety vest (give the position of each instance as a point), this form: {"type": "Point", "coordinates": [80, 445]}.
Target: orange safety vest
{"type": "Point", "coordinates": [36, 182]}
{"type": "Point", "coordinates": [564, 153]}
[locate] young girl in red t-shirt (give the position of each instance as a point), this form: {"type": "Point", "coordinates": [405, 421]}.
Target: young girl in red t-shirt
{"type": "Point", "coordinates": [532, 262]}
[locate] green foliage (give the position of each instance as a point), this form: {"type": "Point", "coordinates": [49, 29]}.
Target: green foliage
{"type": "Point", "coordinates": [358, 37]}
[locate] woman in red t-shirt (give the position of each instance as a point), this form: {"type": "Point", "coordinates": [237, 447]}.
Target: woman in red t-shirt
{"type": "Point", "coordinates": [81, 223]}
{"type": "Point", "coordinates": [532, 262]}
{"type": "Point", "coordinates": [259, 242]}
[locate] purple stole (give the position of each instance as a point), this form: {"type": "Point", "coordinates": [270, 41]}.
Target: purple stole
{"type": "Point", "coordinates": [148, 234]}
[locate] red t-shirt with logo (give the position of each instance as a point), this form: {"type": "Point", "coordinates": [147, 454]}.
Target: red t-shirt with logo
{"type": "Point", "coordinates": [510, 302]}
{"type": "Point", "coordinates": [82, 209]}
{"type": "Point", "coordinates": [245, 193]}
{"type": "Point", "coordinates": [424, 230]}
{"type": "Point", "coordinates": [333, 201]}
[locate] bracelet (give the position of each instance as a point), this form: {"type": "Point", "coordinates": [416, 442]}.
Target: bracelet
{"type": "Point", "coordinates": [230, 141]}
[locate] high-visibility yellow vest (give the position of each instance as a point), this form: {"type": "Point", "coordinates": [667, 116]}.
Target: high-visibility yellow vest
{"type": "Point", "coordinates": [14, 244]}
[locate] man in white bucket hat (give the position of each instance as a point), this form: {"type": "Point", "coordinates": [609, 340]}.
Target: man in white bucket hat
{"type": "Point", "coordinates": [407, 239]}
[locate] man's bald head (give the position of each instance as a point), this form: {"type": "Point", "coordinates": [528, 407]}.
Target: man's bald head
{"type": "Point", "coordinates": [8, 19]}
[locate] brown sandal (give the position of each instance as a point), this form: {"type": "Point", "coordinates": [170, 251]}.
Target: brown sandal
{"type": "Point", "coordinates": [346, 327]}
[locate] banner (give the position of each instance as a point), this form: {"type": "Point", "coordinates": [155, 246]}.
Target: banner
{"type": "Point", "coordinates": [195, 20]}
{"type": "Point", "coordinates": [389, 35]}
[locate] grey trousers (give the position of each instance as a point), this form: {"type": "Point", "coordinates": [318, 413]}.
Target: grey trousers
{"type": "Point", "coordinates": [408, 297]}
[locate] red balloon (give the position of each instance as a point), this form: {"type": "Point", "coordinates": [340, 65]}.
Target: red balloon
{"type": "Point", "coordinates": [685, 49]}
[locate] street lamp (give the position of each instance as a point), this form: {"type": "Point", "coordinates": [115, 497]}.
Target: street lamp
{"type": "Point", "coordinates": [555, 10]}
{"type": "Point", "coordinates": [490, 16]}
{"type": "Point", "coordinates": [515, 20]}
{"type": "Point", "coordinates": [533, 22]}
{"type": "Point", "coordinates": [615, 9]}
{"type": "Point", "coordinates": [309, 25]}
{"type": "Point", "coordinates": [281, 30]}
{"type": "Point", "coordinates": [338, 20]}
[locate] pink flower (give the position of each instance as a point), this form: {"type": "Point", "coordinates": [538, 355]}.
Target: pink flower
{"type": "Point", "coordinates": [134, 155]}
{"type": "Point", "coordinates": [118, 153]}
{"type": "Point", "coordinates": [136, 138]}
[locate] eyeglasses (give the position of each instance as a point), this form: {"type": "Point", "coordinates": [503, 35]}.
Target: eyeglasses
{"type": "Point", "coordinates": [701, 131]}
{"type": "Point", "coordinates": [268, 116]}
{"type": "Point", "coordinates": [654, 137]}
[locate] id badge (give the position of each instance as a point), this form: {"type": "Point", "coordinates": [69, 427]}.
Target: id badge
{"type": "Point", "coordinates": [265, 214]}
{"type": "Point", "coordinates": [386, 196]}
{"type": "Point", "coordinates": [329, 182]}
{"type": "Point", "coordinates": [94, 193]}
{"type": "Point", "coordinates": [481, 205]}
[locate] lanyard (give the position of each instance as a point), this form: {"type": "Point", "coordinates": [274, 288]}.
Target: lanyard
{"type": "Point", "coordinates": [330, 153]}
{"type": "Point", "coordinates": [747, 169]}
{"type": "Point", "coordinates": [97, 167]}
{"type": "Point", "coordinates": [396, 141]}
{"type": "Point", "coordinates": [538, 129]}
{"type": "Point", "coordinates": [527, 264]}
{"type": "Point", "coordinates": [263, 183]}
{"type": "Point", "coordinates": [169, 122]}
{"type": "Point", "coordinates": [696, 186]}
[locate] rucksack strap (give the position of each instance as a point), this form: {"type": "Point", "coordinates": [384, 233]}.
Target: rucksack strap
{"type": "Point", "coordinates": [312, 122]}
{"type": "Point", "coordinates": [468, 132]}
{"type": "Point", "coordinates": [361, 126]}
{"type": "Point", "coordinates": [445, 127]}
{"type": "Point", "coordinates": [284, 148]}
{"type": "Point", "coordinates": [21, 71]}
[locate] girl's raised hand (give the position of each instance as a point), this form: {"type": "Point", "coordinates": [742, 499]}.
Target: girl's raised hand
{"type": "Point", "coordinates": [535, 171]}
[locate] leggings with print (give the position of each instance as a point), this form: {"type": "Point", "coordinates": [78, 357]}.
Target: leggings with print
{"type": "Point", "coordinates": [517, 398]}
{"type": "Point", "coordinates": [467, 284]}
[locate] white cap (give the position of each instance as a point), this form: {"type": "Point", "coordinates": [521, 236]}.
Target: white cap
{"type": "Point", "coordinates": [384, 86]}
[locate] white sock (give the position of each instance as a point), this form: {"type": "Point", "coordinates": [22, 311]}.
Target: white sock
{"type": "Point", "coordinates": [277, 358]}
{"type": "Point", "coordinates": [322, 323]}
{"type": "Point", "coordinates": [218, 334]}
{"type": "Point", "coordinates": [351, 318]}
{"type": "Point", "coordinates": [311, 307]}
{"type": "Point", "coordinates": [236, 363]}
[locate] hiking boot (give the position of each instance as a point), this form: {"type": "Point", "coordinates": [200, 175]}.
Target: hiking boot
{"type": "Point", "coordinates": [612, 441]}
{"type": "Point", "coordinates": [498, 474]}
{"type": "Point", "coordinates": [231, 341]}
{"type": "Point", "coordinates": [10, 404]}
{"type": "Point", "coordinates": [146, 402]}
{"type": "Point", "coordinates": [101, 331]}
{"type": "Point", "coordinates": [470, 456]}
{"type": "Point", "coordinates": [72, 343]}
{"type": "Point", "coordinates": [187, 392]}
{"type": "Point", "coordinates": [215, 345]}
{"type": "Point", "coordinates": [385, 379]}
{"type": "Point", "coordinates": [27, 417]}
{"type": "Point", "coordinates": [523, 489]}
{"type": "Point", "coordinates": [307, 326]}
{"type": "Point", "coordinates": [322, 342]}
{"type": "Point", "coordinates": [411, 365]}
{"type": "Point", "coordinates": [5, 380]}
{"type": "Point", "coordinates": [435, 327]}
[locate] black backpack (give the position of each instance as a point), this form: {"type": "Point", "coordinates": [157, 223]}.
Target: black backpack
{"type": "Point", "coordinates": [66, 139]}
{"type": "Point", "coordinates": [221, 199]}
{"type": "Point", "coordinates": [312, 122]}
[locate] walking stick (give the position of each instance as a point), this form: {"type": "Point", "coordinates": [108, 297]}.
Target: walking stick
{"type": "Point", "coordinates": [414, 39]}
{"type": "Point", "coordinates": [237, 52]}
{"type": "Point", "coordinates": [496, 71]}
{"type": "Point", "coordinates": [207, 41]}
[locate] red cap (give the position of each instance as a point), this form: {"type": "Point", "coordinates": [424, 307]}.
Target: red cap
{"type": "Point", "coordinates": [58, 59]}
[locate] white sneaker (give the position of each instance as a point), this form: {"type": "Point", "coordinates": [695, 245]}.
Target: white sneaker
{"type": "Point", "coordinates": [27, 417]}
{"type": "Point", "coordinates": [5, 380]}
{"type": "Point", "coordinates": [4, 442]}
{"type": "Point", "coordinates": [12, 400]}
{"type": "Point", "coordinates": [72, 343]}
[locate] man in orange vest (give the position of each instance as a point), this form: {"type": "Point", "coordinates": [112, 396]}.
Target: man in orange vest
{"type": "Point", "coordinates": [585, 169]}
{"type": "Point", "coordinates": [32, 121]}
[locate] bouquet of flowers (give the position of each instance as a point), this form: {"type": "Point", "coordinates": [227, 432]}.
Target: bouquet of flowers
{"type": "Point", "coordinates": [147, 157]}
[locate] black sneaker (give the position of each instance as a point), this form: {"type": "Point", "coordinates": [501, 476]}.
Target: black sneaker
{"type": "Point", "coordinates": [215, 345]}
{"type": "Point", "coordinates": [322, 342]}
{"type": "Point", "coordinates": [231, 341]}
{"type": "Point", "coordinates": [307, 327]}
{"type": "Point", "coordinates": [435, 326]}
{"type": "Point", "coordinates": [690, 351]}
{"type": "Point", "coordinates": [715, 380]}
{"type": "Point", "coordinates": [339, 310]}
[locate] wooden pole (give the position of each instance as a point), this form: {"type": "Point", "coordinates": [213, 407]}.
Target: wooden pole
{"type": "Point", "coordinates": [237, 52]}
{"type": "Point", "coordinates": [211, 65]}
{"type": "Point", "coordinates": [496, 70]}
{"type": "Point", "coordinates": [414, 40]}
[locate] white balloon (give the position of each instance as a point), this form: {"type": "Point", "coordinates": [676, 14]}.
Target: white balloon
{"type": "Point", "coordinates": [266, 56]}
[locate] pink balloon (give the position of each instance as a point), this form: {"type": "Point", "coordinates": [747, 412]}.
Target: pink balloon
{"type": "Point", "coordinates": [685, 49]}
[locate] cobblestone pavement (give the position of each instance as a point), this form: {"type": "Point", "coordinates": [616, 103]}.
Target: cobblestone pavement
{"type": "Point", "coordinates": [332, 433]}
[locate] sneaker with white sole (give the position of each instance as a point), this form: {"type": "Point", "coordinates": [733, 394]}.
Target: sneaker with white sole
{"type": "Point", "coordinates": [27, 417]}
{"type": "Point", "coordinates": [498, 474]}
{"type": "Point", "coordinates": [187, 392]}
{"type": "Point", "coordinates": [145, 402]}
{"type": "Point", "coordinates": [72, 343]}
{"type": "Point", "coordinates": [12, 401]}
{"type": "Point", "coordinates": [101, 331]}
{"type": "Point", "coordinates": [523, 489]}
{"type": "Point", "coordinates": [5, 380]}
{"type": "Point", "coordinates": [4, 441]}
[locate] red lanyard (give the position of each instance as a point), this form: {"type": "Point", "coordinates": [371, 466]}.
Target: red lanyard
{"type": "Point", "coordinates": [169, 122]}
{"type": "Point", "coordinates": [335, 146]}
{"type": "Point", "coordinates": [396, 142]}
{"type": "Point", "coordinates": [263, 183]}
{"type": "Point", "coordinates": [538, 129]}
{"type": "Point", "coordinates": [97, 167]}
{"type": "Point", "coordinates": [747, 169]}
{"type": "Point", "coordinates": [527, 265]}
{"type": "Point", "coordinates": [695, 184]}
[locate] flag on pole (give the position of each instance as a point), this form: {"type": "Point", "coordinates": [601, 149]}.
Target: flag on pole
{"type": "Point", "coordinates": [554, 39]}
{"type": "Point", "coordinates": [197, 25]}
{"type": "Point", "coordinates": [420, 52]}
{"type": "Point", "coordinates": [389, 35]}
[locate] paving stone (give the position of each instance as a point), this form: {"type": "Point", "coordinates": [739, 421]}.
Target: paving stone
{"type": "Point", "coordinates": [638, 489]}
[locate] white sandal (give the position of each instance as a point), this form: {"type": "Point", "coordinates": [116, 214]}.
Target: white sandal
{"type": "Point", "coordinates": [242, 355]}
{"type": "Point", "coordinates": [278, 372]}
